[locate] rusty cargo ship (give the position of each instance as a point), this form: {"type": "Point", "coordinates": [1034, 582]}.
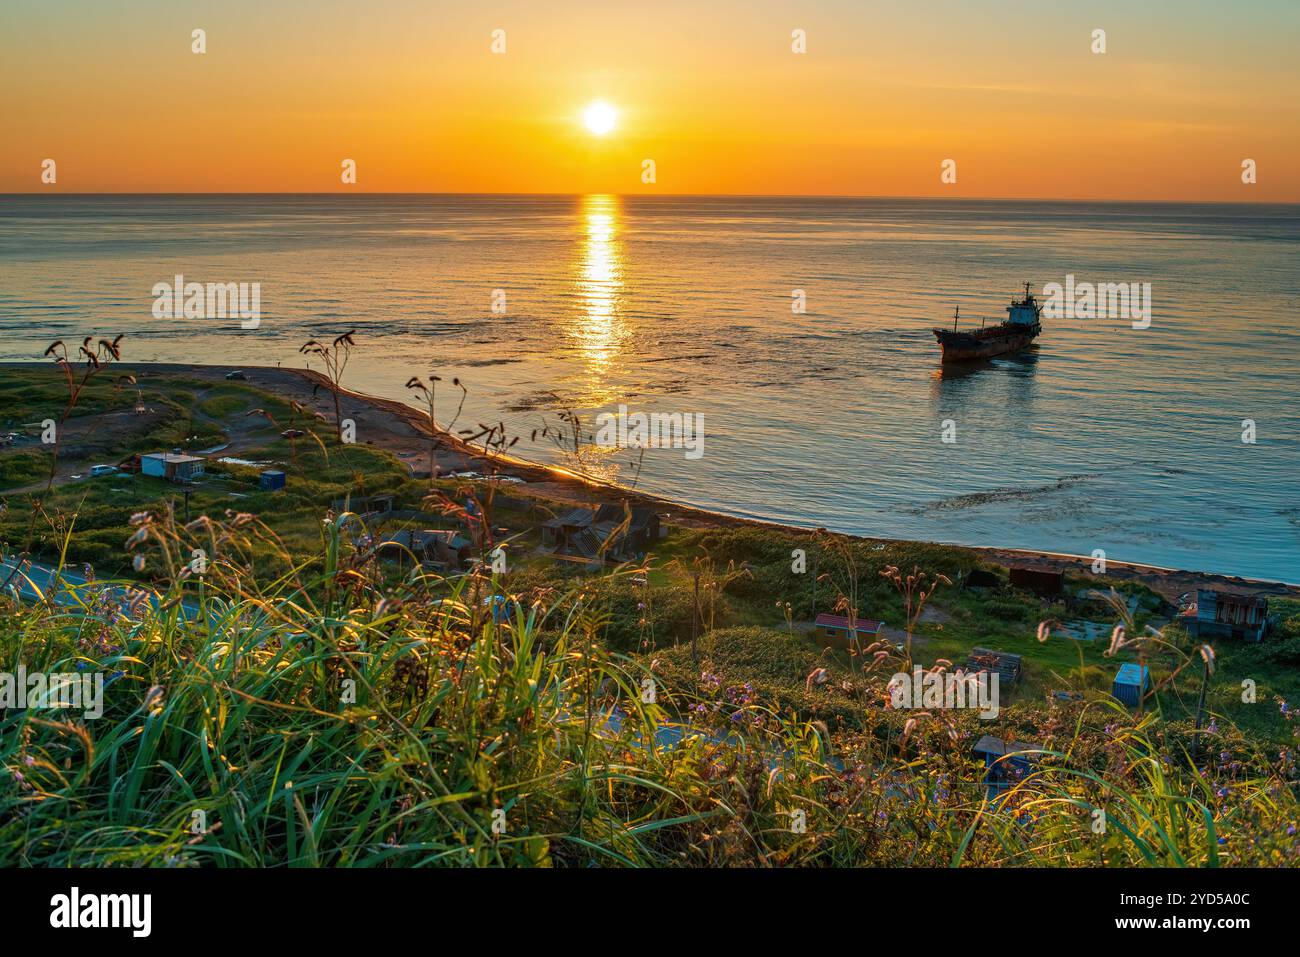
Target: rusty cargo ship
{"type": "Point", "coordinates": [1021, 328]}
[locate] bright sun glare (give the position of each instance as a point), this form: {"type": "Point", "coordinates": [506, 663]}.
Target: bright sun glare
{"type": "Point", "coordinates": [599, 118]}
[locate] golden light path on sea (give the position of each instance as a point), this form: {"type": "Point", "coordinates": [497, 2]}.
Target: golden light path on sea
{"type": "Point", "coordinates": [598, 329]}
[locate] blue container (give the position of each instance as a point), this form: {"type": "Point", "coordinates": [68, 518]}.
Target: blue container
{"type": "Point", "coordinates": [1131, 683]}
{"type": "Point", "coordinates": [272, 480]}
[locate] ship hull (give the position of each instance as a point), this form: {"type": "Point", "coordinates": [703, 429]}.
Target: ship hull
{"type": "Point", "coordinates": [974, 346]}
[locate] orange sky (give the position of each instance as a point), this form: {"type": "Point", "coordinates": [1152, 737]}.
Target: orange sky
{"type": "Point", "coordinates": [710, 91]}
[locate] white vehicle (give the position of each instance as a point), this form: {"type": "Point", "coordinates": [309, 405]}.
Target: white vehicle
{"type": "Point", "coordinates": [96, 470]}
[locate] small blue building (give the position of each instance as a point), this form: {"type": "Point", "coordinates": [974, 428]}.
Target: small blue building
{"type": "Point", "coordinates": [1132, 682]}
{"type": "Point", "coordinates": [1006, 763]}
{"type": "Point", "coordinates": [272, 480]}
{"type": "Point", "coordinates": [1209, 614]}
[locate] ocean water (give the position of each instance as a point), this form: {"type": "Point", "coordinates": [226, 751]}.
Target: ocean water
{"type": "Point", "coordinates": [1103, 437]}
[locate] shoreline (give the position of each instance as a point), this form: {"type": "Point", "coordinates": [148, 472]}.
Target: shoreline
{"type": "Point", "coordinates": [404, 430]}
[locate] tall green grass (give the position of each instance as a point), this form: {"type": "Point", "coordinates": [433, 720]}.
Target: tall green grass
{"type": "Point", "coordinates": [325, 718]}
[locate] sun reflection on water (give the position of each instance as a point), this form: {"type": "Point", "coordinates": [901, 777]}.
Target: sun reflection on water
{"type": "Point", "coordinates": [597, 331]}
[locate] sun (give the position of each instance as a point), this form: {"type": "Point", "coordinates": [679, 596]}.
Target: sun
{"type": "Point", "coordinates": [600, 118]}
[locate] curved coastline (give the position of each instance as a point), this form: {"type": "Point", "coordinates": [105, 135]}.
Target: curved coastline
{"type": "Point", "coordinates": [406, 431]}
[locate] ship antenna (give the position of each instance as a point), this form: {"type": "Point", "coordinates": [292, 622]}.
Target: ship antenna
{"type": "Point", "coordinates": [955, 313]}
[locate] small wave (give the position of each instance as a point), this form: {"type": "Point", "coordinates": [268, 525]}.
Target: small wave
{"type": "Point", "coordinates": [1006, 494]}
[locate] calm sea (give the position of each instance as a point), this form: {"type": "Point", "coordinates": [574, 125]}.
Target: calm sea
{"type": "Point", "coordinates": [1104, 437]}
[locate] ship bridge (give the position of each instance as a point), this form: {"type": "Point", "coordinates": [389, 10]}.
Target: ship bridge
{"type": "Point", "coordinates": [1026, 311]}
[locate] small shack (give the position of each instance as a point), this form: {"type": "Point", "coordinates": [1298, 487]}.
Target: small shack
{"type": "Point", "coordinates": [1132, 682]}
{"type": "Point", "coordinates": [1005, 762]}
{"type": "Point", "coordinates": [437, 547]}
{"type": "Point", "coordinates": [271, 480]}
{"type": "Point", "coordinates": [642, 526]}
{"type": "Point", "coordinates": [365, 504]}
{"type": "Point", "coordinates": [1212, 614]}
{"type": "Point", "coordinates": [981, 578]}
{"type": "Point", "coordinates": [612, 531]}
{"type": "Point", "coordinates": [839, 632]}
{"type": "Point", "coordinates": [172, 466]}
{"type": "Point", "coordinates": [1004, 663]}
{"type": "Point", "coordinates": [1049, 584]}
{"type": "Point", "coordinates": [560, 531]}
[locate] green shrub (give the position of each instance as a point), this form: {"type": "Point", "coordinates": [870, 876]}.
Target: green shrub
{"type": "Point", "coordinates": [22, 467]}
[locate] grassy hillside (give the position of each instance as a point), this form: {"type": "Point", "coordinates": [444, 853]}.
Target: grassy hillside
{"type": "Point", "coordinates": [304, 702]}
{"type": "Point", "coordinates": [339, 717]}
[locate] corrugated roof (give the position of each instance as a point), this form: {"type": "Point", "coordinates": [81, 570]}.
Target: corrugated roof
{"type": "Point", "coordinates": [991, 745]}
{"type": "Point", "coordinates": [610, 512]}
{"type": "Point", "coordinates": [1210, 599]}
{"type": "Point", "coordinates": [171, 457]}
{"type": "Point", "coordinates": [577, 516]}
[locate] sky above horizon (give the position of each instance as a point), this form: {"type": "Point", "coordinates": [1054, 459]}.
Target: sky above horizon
{"type": "Point", "coordinates": [713, 93]}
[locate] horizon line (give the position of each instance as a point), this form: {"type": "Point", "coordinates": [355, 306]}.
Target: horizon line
{"type": "Point", "coordinates": [803, 196]}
